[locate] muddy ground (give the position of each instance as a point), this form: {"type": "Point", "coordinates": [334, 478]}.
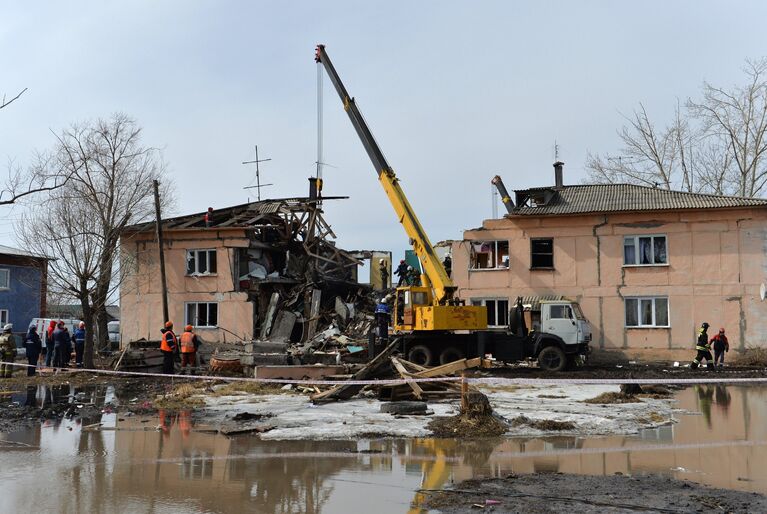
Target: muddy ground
{"type": "Point", "coordinates": [561, 493]}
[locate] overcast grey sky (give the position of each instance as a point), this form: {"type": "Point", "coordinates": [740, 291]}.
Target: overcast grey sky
{"type": "Point", "coordinates": [455, 92]}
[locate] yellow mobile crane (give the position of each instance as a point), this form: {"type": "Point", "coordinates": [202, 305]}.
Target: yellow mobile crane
{"type": "Point", "coordinates": [436, 325]}
{"type": "Point", "coordinates": [432, 306]}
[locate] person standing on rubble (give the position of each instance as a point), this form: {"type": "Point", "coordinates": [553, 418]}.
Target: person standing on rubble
{"type": "Point", "coordinates": [384, 271]}
{"type": "Point", "coordinates": [703, 347]}
{"type": "Point", "coordinates": [414, 276]}
{"type": "Point", "coordinates": [383, 317]}
{"type": "Point", "coordinates": [721, 345]}
{"type": "Point", "coordinates": [447, 263]}
{"type": "Point", "coordinates": [189, 345]}
{"type": "Point", "coordinates": [168, 347]}
{"type": "Point", "coordinates": [401, 272]}
{"type": "Point", "coordinates": [7, 351]}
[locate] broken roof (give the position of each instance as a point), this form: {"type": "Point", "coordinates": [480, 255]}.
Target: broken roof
{"type": "Point", "coordinates": [596, 198]}
{"type": "Point", "coordinates": [242, 215]}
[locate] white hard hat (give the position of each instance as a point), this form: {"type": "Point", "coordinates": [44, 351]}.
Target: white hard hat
{"type": "Point", "coordinates": [381, 260]}
{"type": "Point", "coordinates": [8, 327]}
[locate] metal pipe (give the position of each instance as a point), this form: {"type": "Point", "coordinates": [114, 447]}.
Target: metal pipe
{"type": "Point", "coordinates": [505, 198]}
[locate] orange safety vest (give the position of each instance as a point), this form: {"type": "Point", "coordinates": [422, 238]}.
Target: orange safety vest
{"type": "Point", "coordinates": [187, 342]}
{"type": "Point", "coordinates": [164, 346]}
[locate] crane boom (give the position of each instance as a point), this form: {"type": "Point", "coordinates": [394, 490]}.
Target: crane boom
{"type": "Point", "coordinates": [433, 271]}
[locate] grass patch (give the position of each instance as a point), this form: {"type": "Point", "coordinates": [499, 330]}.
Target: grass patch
{"type": "Point", "coordinates": [751, 357]}
{"type": "Point", "coordinates": [611, 398]}
{"type": "Point", "coordinates": [551, 396]}
{"type": "Point", "coordinates": [467, 427]}
{"type": "Point", "coordinates": [653, 418]}
{"type": "Point", "coordinates": [547, 425]}
{"type": "Point", "coordinates": [182, 397]}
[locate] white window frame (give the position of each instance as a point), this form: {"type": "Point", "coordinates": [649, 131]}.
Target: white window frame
{"type": "Point", "coordinates": [198, 253]}
{"type": "Point", "coordinates": [639, 300]}
{"type": "Point", "coordinates": [193, 322]}
{"type": "Point", "coordinates": [499, 315]}
{"type": "Point", "coordinates": [636, 237]}
{"type": "Point", "coordinates": [494, 253]}
{"type": "Point", "coordinates": [5, 315]}
{"type": "Point", "coordinates": [7, 273]}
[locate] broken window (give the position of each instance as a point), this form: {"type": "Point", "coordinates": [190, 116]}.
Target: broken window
{"type": "Point", "coordinates": [497, 310]}
{"type": "Point", "coordinates": [201, 314]}
{"type": "Point", "coordinates": [200, 262]}
{"type": "Point", "coordinates": [489, 254]}
{"type": "Point", "coordinates": [542, 253]}
{"type": "Point", "coordinates": [644, 250]}
{"type": "Point", "coordinates": [647, 312]}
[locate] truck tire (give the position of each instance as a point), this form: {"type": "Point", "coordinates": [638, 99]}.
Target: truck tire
{"type": "Point", "coordinates": [552, 358]}
{"type": "Point", "coordinates": [422, 355]}
{"type": "Point", "coordinates": [451, 354]}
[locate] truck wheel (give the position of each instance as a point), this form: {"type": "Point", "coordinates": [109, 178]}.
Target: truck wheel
{"type": "Point", "coordinates": [422, 355]}
{"type": "Point", "coordinates": [552, 358]}
{"type": "Point", "coordinates": [450, 354]}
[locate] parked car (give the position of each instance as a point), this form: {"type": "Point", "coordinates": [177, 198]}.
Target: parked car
{"type": "Point", "coordinates": [113, 327]}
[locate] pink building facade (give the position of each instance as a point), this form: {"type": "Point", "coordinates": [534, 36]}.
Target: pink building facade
{"type": "Point", "coordinates": [647, 265]}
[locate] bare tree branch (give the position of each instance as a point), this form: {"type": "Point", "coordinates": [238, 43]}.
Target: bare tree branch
{"type": "Point", "coordinates": [5, 103]}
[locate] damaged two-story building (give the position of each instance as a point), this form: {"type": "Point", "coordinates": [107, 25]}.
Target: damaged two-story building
{"type": "Point", "coordinates": [647, 265]}
{"type": "Point", "coordinates": [231, 271]}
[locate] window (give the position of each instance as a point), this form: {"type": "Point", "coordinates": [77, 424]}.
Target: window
{"type": "Point", "coordinates": [647, 312]}
{"type": "Point", "coordinates": [489, 255]}
{"type": "Point", "coordinates": [542, 253]}
{"type": "Point", "coordinates": [5, 279]}
{"type": "Point", "coordinates": [200, 262]}
{"type": "Point", "coordinates": [561, 312]}
{"type": "Point", "coordinates": [4, 316]}
{"type": "Point", "coordinates": [201, 314]}
{"type": "Point", "coordinates": [497, 311]}
{"type": "Point", "coordinates": [644, 250]}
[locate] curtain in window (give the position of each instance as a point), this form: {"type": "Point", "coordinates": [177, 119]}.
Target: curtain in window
{"type": "Point", "coordinates": [659, 244]}
{"type": "Point", "coordinates": [645, 311]}
{"type": "Point", "coordinates": [645, 250]}
{"type": "Point", "coordinates": [629, 251]}
{"type": "Point", "coordinates": [661, 312]}
{"type": "Point", "coordinates": [631, 312]}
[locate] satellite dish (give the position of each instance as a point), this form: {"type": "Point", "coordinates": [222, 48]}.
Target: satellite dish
{"type": "Point", "coordinates": [762, 291]}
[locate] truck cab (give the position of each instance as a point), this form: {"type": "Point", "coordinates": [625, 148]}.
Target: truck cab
{"type": "Point", "coordinates": [566, 320]}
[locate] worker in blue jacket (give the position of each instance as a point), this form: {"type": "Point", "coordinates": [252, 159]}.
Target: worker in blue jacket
{"type": "Point", "coordinates": [34, 347]}
{"type": "Point", "coordinates": [79, 337]}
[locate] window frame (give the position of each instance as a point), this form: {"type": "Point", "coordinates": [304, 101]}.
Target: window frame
{"type": "Point", "coordinates": [638, 300]}
{"type": "Point", "coordinates": [483, 302]}
{"type": "Point", "coordinates": [636, 250]}
{"type": "Point", "coordinates": [534, 240]}
{"type": "Point", "coordinates": [7, 272]}
{"type": "Point", "coordinates": [197, 251]}
{"type": "Point", "coordinates": [494, 253]}
{"type": "Point", "coordinates": [187, 321]}
{"type": "Point", "coordinates": [7, 316]}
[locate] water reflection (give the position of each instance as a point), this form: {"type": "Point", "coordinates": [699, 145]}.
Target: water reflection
{"type": "Point", "coordinates": [169, 463]}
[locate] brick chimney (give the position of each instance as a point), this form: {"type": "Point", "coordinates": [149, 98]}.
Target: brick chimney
{"type": "Point", "coordinates": [558, 179]}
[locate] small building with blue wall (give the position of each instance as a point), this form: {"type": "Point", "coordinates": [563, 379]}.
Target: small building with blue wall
{"type": "Point", "coordinates": [23, 287]}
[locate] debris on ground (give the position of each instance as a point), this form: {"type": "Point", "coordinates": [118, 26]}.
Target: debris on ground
{"type": "Point", "coordinates": [751, 357]}
{"type": "Point", "coordinates": [610, 397]}
{"type": "Point", "coordinates": [547, 425]}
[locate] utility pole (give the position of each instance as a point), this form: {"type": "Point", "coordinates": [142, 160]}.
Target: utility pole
{"type": "Point", "coordinates": [258, 185]}
{"type": "Point", "coordinates": [158, 216]}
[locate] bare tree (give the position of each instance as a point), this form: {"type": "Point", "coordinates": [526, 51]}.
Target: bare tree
{"type": "Point", "coordinates": [737, 119]}
{"type": "Point", "coordinates": [716, 145]}
{"type": "Point", "coordinates": [110, 186]}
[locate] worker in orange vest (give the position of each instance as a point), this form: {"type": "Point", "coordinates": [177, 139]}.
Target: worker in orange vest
{"type": "Point", "coordinates": [189, 344]}
{"type": "Point", "coordinates": [168, 347]}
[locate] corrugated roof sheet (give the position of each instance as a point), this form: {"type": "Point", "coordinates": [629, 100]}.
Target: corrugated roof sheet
{"type": "Point", "coordinates": [594, 198]}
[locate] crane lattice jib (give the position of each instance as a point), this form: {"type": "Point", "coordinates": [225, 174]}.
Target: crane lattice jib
{"type": "Point", "coordinates": [434, 273]}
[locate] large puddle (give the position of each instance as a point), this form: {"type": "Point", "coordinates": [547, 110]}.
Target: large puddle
{"type": "Point", "coordinates": [167, 464]}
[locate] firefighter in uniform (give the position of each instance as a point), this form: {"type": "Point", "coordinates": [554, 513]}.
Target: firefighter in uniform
{"type": "Point", "coordinates": [189, 344]}
{"type": "Point", "coordinates": [7, 351]}
{"type": "Point", "coordinates": [703, 346]}
{"type": "Point", "coordinates": [168, 347]}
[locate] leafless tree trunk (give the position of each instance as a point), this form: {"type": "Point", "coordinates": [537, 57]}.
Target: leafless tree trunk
{"type": "Point", "coordinates": [110, 186]}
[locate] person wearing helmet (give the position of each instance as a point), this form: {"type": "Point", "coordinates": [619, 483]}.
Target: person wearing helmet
{"type": "Point", "coordinates": [401, 272]}
{"type": "Point", "coordinates": [414, 276]}
{"type": "Point", "coordinates": [79, 337]}
{"type": "Point", "coordinates": [7, 351]}
{"type": "Point", "coordinates": [383, 269]}
{"type": "Point", "coordinates": [34, 346]}
{"type": "Point", "coordinates": [168, 346]}
{"type": "Point", "coordinates": [721, 345]}
{"type": "Point", "coordinates": [447, 263]}
{"type": "Point", "coordinates": [189, 344]}
{"type": "Point", "coordinates": [703, 347]}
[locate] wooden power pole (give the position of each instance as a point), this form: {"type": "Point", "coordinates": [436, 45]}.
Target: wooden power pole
{"type": "Point", "coordinates": [166, 317]}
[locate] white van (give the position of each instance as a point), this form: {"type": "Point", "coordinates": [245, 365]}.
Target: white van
{"type": "Point", "coordinates": [42, 327]}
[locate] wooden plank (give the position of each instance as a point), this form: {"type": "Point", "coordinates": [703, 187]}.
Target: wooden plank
{"type": "Point", "coordinates": [314, 313]}
{"type": "Point", "coordinates": [404, 374]}
{"type": "Point", "coordinates": [266, 326]}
